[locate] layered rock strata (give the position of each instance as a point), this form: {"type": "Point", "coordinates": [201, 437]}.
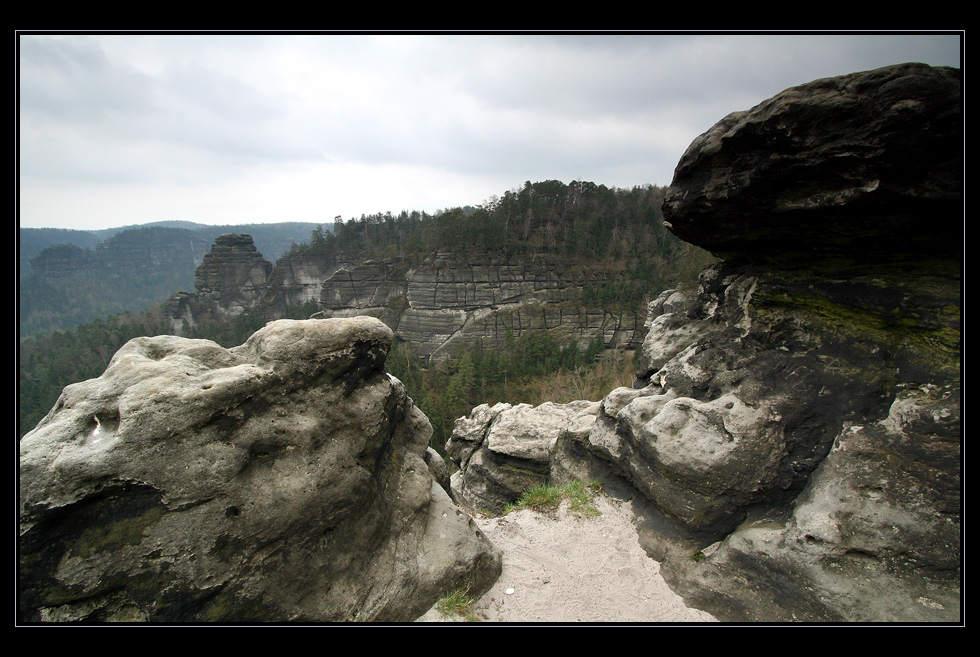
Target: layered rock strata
{"type": "Point", "coordinates": [233, 269]}
{"type": "Point", "coordinates": [793, 438]}
{"type": "Point", "coordinates": [232, 279]}
{"type": "Point", "coordinates": [297, 279]}
{"type": "Point", "coordinates": [440, 308]}
{"type": "Point", "coordinates": [286, 479]}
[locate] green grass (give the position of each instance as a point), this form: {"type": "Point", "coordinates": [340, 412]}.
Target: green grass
{"type": "Point", "coordinates": [459, 603]}
{"type": "Point", "coordinates": [539, 498]}
{"type": "Point", "coordinates": [580, 496]}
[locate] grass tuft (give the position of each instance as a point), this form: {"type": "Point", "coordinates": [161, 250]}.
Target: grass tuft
{"type": "Point", "coordinates": [459, 603]}
{"type": "Point", "coordinates": [540, 498]}
{"type": "Point", "coordinates": [580, 496]}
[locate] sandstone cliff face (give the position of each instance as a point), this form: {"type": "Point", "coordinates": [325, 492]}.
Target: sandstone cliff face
{"type": "Point", "coordinates": [794, 432]}
{"type": "Point", "coordinates": [440, 307]}
{"type": "Point", "coordinates": [297, 279]}
{"type": "Point", "coordinates": [286, 479]}
{"type": "Point", "coordinates": [233, 273]}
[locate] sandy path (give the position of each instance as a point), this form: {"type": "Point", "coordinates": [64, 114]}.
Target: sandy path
{"type": "Point", "coordinates": [558, 568]}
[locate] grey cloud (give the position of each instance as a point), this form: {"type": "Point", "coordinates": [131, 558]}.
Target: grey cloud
{"type": "Point", "coordinates": [615, 109]}
{"type": "Point", "coordinates": [72, 79]}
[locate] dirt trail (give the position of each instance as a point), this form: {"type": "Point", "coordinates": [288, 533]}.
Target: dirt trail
{"type": "Point", "coordinates": [559, 568]}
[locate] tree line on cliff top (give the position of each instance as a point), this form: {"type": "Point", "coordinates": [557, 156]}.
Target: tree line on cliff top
{"type": "Point", "coordinates": [572, 225]}
{"type": "Point", "coordinates": [567, 227]}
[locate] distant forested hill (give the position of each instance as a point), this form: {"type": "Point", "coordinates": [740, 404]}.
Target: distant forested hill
{"type": "Point", "coordinates": [272, 240]}
{"type": "Point", "coordinates": [69, 277]}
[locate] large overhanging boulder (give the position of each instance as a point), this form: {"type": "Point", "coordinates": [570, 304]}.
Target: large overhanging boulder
{"type": "Point", "coordinates": [281, 480]}
{"type": "Point", "coordinates": [799, 423]}
{"type": "Point", "coordinates": [867, 165]}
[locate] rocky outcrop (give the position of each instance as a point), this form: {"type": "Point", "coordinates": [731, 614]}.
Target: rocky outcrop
{"type": "Point", "coordinates": [834, 370]}
{"type": "Point", "coordinates": [845, 167]}
{"type": "Point", "coordinates": [793, 438]}
{"type": "Point", "coordinates": [234, 273]}
{"type": "Point", "coordinates": [441, 307]}
{"type": "Point", "coordinates": [232, 279]}
{"type": "Point", "coordinates": [505, 449]}
{"type": "Point", "coordinates": [286, 479]}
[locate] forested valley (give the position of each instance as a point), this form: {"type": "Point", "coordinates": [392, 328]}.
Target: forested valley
{"type": "Point", "coordinates": [577, 225]}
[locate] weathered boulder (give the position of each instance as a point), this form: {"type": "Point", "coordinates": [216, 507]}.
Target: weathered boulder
{"type": "Point", "coordinates": [669, 301]}
{"type": "Point", "coordinates": [503, 450]}
{"type": "Point", "coordinates": [752, 390]}
{"type": "Point", "coordinates": [862, 166]}
{"type": "Point", "coordinates": [282, 480]}
{"type": "Point", "coordinates": [668, 333]}
{"type": "Point", "coordinates": [874, 537]}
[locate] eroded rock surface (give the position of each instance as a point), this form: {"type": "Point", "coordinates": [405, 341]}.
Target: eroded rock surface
{"type": "Point", "coordinates": [282, 480]}
{"type": "Point", "coordinates": [794, 433]}
{"type": "Point", "coordinates": [505, 449]}
{"type": "Point", "coordinates": [804, 411]}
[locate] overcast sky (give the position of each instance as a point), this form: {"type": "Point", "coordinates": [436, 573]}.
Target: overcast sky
{"type": "Point", "coordinates": [226, 129]}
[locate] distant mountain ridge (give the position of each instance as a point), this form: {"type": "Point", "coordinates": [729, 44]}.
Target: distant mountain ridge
{"type": "Point", "coordinates": [273, 239]}
{"type": "Point", "coordinates": [69, 277]}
